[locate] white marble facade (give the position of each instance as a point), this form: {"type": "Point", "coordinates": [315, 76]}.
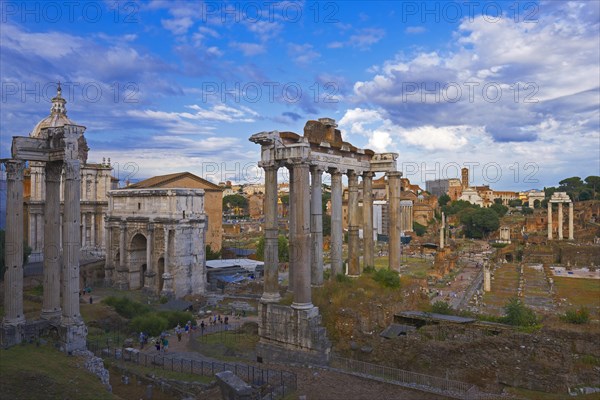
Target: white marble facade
{"type": "Point", "coordinates": [156, 240]}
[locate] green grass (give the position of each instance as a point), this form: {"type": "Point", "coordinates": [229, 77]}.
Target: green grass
{"type": "Point", "coordinates": [227, 346]}
{"type": "Point", "coordinates": [160, 372]}
{"type": "Point", "coordinates": [579, 291]}
{"type": "Point", "coordinates": [30, 372]}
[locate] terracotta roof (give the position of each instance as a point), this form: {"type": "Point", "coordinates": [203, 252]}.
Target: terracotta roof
{"type": "Point", "coordinates": [159, 181]}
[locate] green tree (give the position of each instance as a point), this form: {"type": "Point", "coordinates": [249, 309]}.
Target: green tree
{"type": "Point", "coordinates": [326, 224]}
{"type": "Point", "coordinates": [212, 255]}
{"type": "Point", "coordinates": [443, 200]}
{"type": "Point", "coordinates": [515, 203]}
{"type": "Point", "coordinates": [516, 313]}
{"type": "Point", "coordinates": [479, 222]}
{"type": "Point", "coordinates": [441, 307]}
{"type": "Point", "coordinates": [419, 229]}
{"type": "Point", "coordinates": [282, 249]}
{"type": "Point", "coordinates": [527, 210]}
{"type": "Point", "coordinates": [233, 201]}
{"type": "Point", "coordinates": [499, 209]}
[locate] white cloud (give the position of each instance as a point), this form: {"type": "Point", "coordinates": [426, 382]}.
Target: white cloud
{"type": "Point", "coordinates": [362, 39]}
{"type": "Point", "coordinates": [249, 49]}
{"type": "Point", "coordinates": [303, 53]}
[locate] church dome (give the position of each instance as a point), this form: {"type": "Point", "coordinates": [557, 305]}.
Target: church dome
{"type": "Point", "coordinates": [57, 117]}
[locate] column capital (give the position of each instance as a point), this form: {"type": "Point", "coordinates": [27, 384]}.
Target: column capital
{"type": "Point", "coordinates": [317, 169]}
{"type": "Point", "coordinates": [53, 171]}
{"type": "Point", "coordinates": [368, 174]}
{"type": "Point", "coordinates": [394, 174]}
{"type": "Point", "coordinates": [14, 169]}
{"type": "Point", "coordinates": [335, 172]}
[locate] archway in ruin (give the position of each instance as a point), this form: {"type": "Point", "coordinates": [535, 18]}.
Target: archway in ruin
{"type": "Point", "coordinates": [137, 260]}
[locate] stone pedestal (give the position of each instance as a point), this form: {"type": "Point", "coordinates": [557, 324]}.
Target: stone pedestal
{"type": "Point", "coordinates": [487, 280]}
{"type": "Point", "coordinates": [291, 335]}
{"type": "Point", "coordinates": [73, 336]}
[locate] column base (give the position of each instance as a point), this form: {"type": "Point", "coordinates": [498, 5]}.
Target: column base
{"type": "Point", "coordinates": [12, 332]}
{"type": "Point", "coordinates": [270, 298]}
{"type": "Point", "coordinates": [73, 335]}
{"type": "Point", "coordinates": [292, 335]}
{"type": "Point", "coordinates": [302, 306]}
{"type": "Point", "coordinates": [51, 315]}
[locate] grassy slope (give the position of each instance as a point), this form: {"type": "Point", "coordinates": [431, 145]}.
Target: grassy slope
{"type": "Point", "coordinates": [30, 372]}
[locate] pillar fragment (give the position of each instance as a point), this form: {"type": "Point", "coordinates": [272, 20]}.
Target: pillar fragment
{"type": "Point", "coordinates": [368, 242]}
{"type": "Point", "coordinates": [316, 225]}
{"type": "Point", "coordinates": [51, 308]}
{"type": "Point", "coordinates": [337, 234]}
{"type": "Point", "coordinates": [353, 239]}
{"type": "Point", "coordinates": [560, 221]}
{"type": "Point", "coordinates": [571, 236]}
{"type": "Point", "coordinates": [394, 219]}
{"type": "Point", "coordinates": [13, 251]}
{"type": "Point", "coordinates": [301, 237]}
{"type": "Point", "coordinates": [271, 279]}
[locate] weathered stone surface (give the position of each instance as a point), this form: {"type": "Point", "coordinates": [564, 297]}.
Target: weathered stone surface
{"type": "Point", "coordinates": [233, 387]}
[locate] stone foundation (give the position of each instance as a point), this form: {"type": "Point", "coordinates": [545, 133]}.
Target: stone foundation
{"type": "Point", "coordinates": [290, 335]}
{"type": "Point", "coordinates": [73, 337]}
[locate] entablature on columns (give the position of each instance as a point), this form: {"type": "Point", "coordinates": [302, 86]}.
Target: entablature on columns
{"type": "Point", "coordinates": [288, 148]}
{"type": "Point", "coordinates": [560, 197]}
{"type": "Point", "coordinates": [58, 144]}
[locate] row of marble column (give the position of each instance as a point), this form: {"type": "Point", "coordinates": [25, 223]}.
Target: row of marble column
{"type": "Point", "coordinates": [560, 221]}
{"type": "Point", "coordinates": [306, 228]}
{"type": "Point", "coordinates": [95, 240]}
{"type": "Point", "coordinates": [54, 265]}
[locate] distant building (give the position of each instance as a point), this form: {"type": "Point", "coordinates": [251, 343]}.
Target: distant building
{"type": "Point", "coordinates": [437, 187]}
{"type": "Point", "coordinates": [213, 200]}
{"type": "Point", "coordinates": [470, 195]}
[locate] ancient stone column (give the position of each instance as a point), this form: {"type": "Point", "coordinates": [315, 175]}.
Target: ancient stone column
{"type": "Point", "coordinates": [549, 220]}
{"type": "Point", "coordinates": [291, 229]}
{"type": "Point", "coordinates": [167, 289]}
{"type": "Point", "coordinates": [368, 243]}
{"type": "Point", "coordinates": [109, 267]}
{"type": "Point", "coordinates": [442, 233]}
{"type": "Point", "coordinates": [301, 237]}
{"type": "Point", "coordinates": [51, 303]}
{"type": "Point", "coordinates": [487, 279]}
{"type": "Point", "coordinates": [83, 230]}
{"type": "Point", "coordinates": [353, 239]}
{"type": "Point", "coordinates": [150, 273]}
{"type": "Point", "coordinates": [71, 244]}
{"type": "Point", "coordinates": [560, 221]}
{"type": "Point", "coordinates": [93, 230]}
{"type": "Point", "coordinates": [571, 237]}
{"type": "Point", "coordinates": [337, 233]}
{"type": "Point", "coordinates": [316, 225]}
{"type": "Point", "coordinates": [13, 250]}
{"type": "Point", "coordinates": [271, 285]}
{"type": "Point", "coordinates": [122, 245]}
{"type": "Point", "coordinates": [394, 219]}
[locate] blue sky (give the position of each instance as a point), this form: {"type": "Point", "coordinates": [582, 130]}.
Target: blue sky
{"type": "Point", "coordinates": [510, 89]}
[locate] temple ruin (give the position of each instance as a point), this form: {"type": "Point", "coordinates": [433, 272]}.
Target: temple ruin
{"type": "Point", "coordinates": [60, 148]}
{"type": "Point", "coordinates": [294, 333]}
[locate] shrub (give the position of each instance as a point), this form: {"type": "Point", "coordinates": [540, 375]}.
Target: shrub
{"type": "Point", "coordinates": [343, 278]}
{"type": "Point", "coordinates": [579, 316]}
{"type": "Point", "coordinates": [369, 270]}
{"type": "Point", "coordinates": [441, 307]}
{"type": "Point", "coordinates": [125, 307]}
{"type": "Point", "coordinates": [387, 278]}
{"type": "Point", "coordinates": [164, 300]}
{"type": "Point", "coordinates": [152, 324]}
{"type": "Point", "coordinates": [177, 317]}
{"type": "Point", "coordinates": [518, 314]}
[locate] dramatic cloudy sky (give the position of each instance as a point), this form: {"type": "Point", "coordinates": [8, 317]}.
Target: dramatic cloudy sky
{"type": "Point", "coordinates": [510, 89]}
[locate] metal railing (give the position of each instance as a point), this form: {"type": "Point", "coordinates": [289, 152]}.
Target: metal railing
{"type": "Point", "coordinates": [271, 384]}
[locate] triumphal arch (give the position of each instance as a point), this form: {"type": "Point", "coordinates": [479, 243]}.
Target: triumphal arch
{"type": "Point", "coordinates": [294, 333]}
{"type": "Point", "coordinates": [61, 148]}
